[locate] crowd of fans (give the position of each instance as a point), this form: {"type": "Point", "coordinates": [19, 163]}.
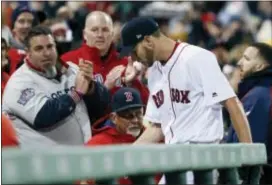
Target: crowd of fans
{"type": "Point", "coordinates": [225, 28]}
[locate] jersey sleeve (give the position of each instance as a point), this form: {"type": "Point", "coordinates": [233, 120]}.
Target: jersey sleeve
{"type": "Point", "coordinates": [152, 114]}
{"type": "Point", "coordinates": [209, 76]}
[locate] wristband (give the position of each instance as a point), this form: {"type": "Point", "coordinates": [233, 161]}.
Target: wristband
{"type": "Point", "coordinates": [80, 94]}
{"type": "Point", "coordinates": [76, 95]}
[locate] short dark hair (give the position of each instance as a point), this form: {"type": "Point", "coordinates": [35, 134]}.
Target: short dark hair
{"type": "Point", "coordinates": [265, 51]}
{"type": "Point", "coordinates": [157, 33]}
{"type": "Point", "coordinates": [36, 31]}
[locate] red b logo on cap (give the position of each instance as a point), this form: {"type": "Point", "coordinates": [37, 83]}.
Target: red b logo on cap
{"type": "Point", "coordinates": [129, 96]}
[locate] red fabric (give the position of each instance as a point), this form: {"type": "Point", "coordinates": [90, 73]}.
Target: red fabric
{"type": "Point", "coordinates": [4, 80]}
{"type": "Point", "coordinates": [208, 17]}
{"type": "Point", "coordinates": [15, 57]}
{"type": "Point", "coordinates": [110, 136]}
{"type": "Point", "coordinates": [32, 66]}
{"type": "Point", "coordinates": [103, 67]}
{"type": "Point", "coordinates": [9, 138]}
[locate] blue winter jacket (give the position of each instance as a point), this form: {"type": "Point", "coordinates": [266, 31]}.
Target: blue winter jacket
{"type": "Point", "coordinates": [255, 93]}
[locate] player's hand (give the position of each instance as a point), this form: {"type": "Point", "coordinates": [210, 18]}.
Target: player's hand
{"type": "Point", "coordinates": [133, 69]}
{"type": "Point", "coordinates": [86, 67]}
{"type": "Point", "coordinates": [113, 76]}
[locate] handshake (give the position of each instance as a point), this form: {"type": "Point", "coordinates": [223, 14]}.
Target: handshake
{"type": "Point", "coordinates": [84, 80]}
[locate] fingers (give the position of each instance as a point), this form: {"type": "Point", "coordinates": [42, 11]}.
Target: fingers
{"type": "Point", "coordinates": [86, 68]}
{"type": "Point", "coordinates": [116, 72]}
{"type": "Point", "coordinates": [118, 69]}
{"type": "Point", "coordinates": [85, 65]}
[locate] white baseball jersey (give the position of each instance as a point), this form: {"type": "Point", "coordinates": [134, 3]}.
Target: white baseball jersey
{"type": "Point", "coordinates": [185, 96]}
{"type": "Point", "coordinates": [25, 94]}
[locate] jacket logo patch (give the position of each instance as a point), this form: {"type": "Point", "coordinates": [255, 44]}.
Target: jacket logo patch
{"type": "Point", "coordinates": [26, 95]}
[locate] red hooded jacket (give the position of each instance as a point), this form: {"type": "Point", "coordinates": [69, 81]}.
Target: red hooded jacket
{"type": "Point", "coordinates": [103, 67]}
{"type": "Point", "coordinates": [110, 136]}
{"type": "Point", "coordinates": [4, 80]}
{"type": "Point", "coordinates": [15, 56]}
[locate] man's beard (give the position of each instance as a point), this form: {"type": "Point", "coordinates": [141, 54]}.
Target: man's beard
{"type": "Point", "coordinates": [51, 72]}
{"type": "Point", "coordinates": [134, 131]}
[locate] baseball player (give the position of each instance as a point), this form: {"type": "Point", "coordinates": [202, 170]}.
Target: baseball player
{"type": "Point", "coordinates": [187, 88]}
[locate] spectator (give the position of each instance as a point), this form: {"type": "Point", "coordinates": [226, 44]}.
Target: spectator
{"type": "Point", "coordinates": [23, 18]}
{"type": "Point", "coordinates": [48, 101]}
{"type": "Point", "coordinates": [4, 64]}
{"type": "Point", "coordinates": [255, 94]}
{"type": "Point", "coordinates": [98, 48]}
{"type": "Point", "coordinates": [126, 120]}
{"type": "Point", "coordinates": [62, 34]}
{"type": "Point", "coordinates": [125, 124]}
{"type": "Point", "coordinates": [5, 30]}
{"type": "Point", "coordinates": [8, 134]}
{"type": "Point", "coordinates": [12, 58]}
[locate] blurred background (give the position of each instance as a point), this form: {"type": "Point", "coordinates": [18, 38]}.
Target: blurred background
{"type": "Point", "coordinates": [225, 28]}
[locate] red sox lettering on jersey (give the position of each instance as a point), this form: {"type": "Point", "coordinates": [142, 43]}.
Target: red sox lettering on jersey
{"type": "Point", "coordinates": [177, 96]}
{"type": "Point", "coordinates": [186, 93]}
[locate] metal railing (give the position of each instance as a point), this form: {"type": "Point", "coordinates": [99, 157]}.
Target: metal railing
{"type": "Point", "coordinates": [105, 164]}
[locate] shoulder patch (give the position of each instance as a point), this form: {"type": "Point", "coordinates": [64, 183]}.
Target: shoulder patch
{"type": "Point", "coordinates": [26, 95]}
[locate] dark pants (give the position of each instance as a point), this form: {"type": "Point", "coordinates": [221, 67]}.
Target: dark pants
{"type": "Point", "coordinates": [266, 178]}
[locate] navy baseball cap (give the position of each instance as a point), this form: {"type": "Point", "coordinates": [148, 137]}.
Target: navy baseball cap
{"type": "Point", "coordinates": [134, 32]}
{"type": "Point", "coordinates": [126, 98]}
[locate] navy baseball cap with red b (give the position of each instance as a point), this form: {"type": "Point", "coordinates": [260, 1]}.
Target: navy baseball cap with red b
{"type": "Point", "coordinates": [126, 98]}
{"type": "Point", "coordinates": [134, 32]}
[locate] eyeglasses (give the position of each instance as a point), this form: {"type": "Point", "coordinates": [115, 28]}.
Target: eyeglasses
{"type": "Point", "coordinates": [131, 114]}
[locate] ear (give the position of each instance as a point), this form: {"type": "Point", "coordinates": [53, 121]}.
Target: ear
{"type": "Point", "coordinates": [27, 50]}
{"type": "Point", "coordinates": [261, 66]}
{"type": "Point", "coordinates": [148, 42]}
{"type": "Point", "coordinates": [113, 117]}
{"type": "Point", "coordinates": [84, 35]}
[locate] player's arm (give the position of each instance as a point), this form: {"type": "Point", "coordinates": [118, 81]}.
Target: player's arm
{"type": "Point", "coordinates": [152, 134]}
{"type": "Point", "coordinates": [239, 119]}
{"type": "Point", "coordinates": [28, 102]}
{"type": "Point", "coordinates": [217, 89]}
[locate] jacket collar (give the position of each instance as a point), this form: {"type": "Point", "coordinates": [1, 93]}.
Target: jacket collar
{"type": "Point", "coordinates": [261, 78]}
{"type": "Point", "coordinates": [40, 71]}
{"type": "Point", "coordinates": [111, 55]}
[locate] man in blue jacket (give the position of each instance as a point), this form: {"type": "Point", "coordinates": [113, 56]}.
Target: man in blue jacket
{"type": "Point", "coordinates": [255, 93]}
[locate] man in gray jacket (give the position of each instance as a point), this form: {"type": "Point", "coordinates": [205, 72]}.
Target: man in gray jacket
{"type": "Point", "coordinates": [48, 104]}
